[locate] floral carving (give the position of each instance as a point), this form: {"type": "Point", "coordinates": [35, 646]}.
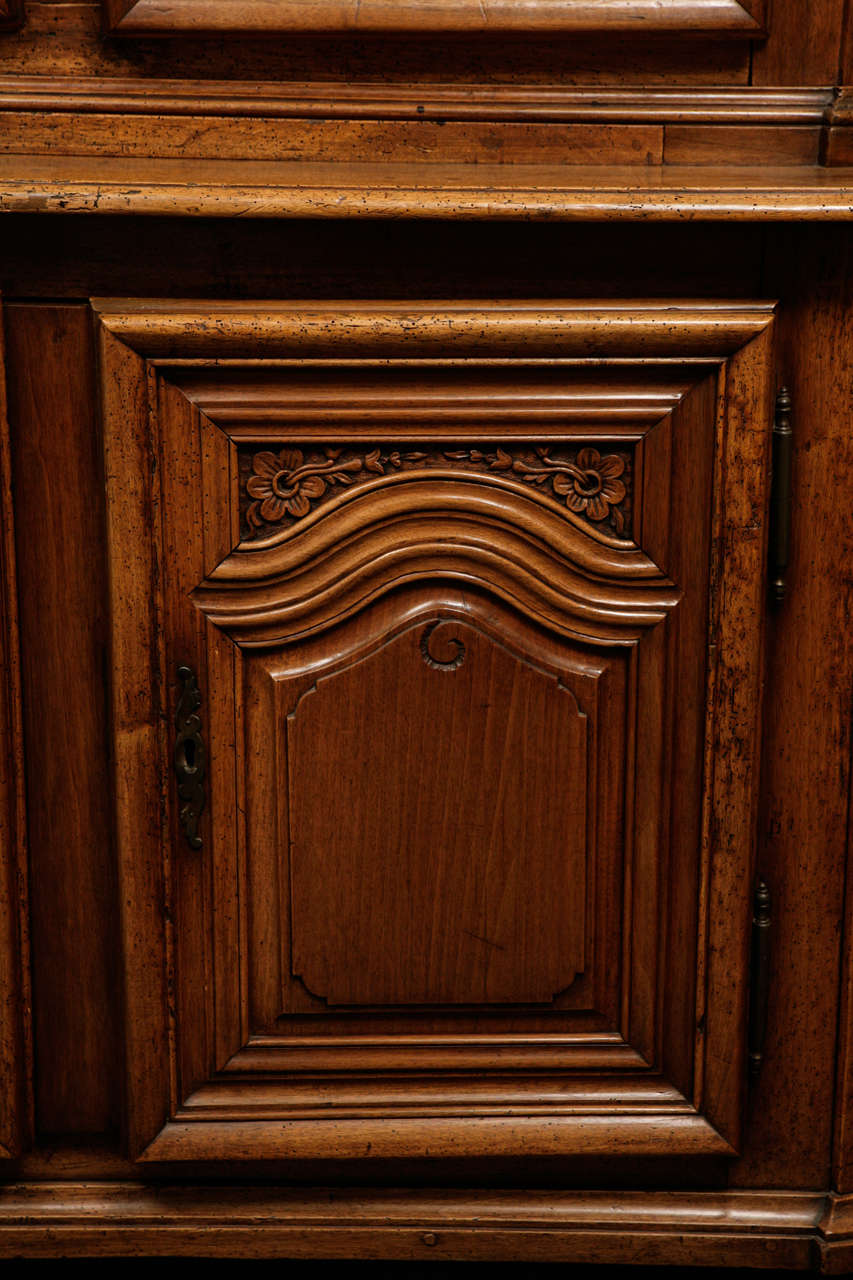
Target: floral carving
{"type": "Point", "coordinates": [590, 485]}
{"type": "Point", "coordinates": [284, 486]}
{"type": "Point", "coordinates": [283, 483]}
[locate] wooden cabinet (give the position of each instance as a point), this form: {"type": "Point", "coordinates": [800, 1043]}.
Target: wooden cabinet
{"type": "Point", "coordinates": [424, 824]}
{"type": "Point", "coordinates": [456, 611]}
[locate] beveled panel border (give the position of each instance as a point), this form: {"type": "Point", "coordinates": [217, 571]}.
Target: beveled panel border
{"type": "Point", "coordinates": [598, 17]}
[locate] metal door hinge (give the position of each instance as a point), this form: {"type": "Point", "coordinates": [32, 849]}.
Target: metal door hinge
{"type": "Point", "coordinates": [759, 977]}
{"type": "Point", "coordinates": [780, 497]}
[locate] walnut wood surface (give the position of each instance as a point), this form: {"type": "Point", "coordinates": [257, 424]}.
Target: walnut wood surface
{"type": "Point", "coordinates": [324, 504]}
{"type": "Point", "coordinates": [599, 17]}
{"type": "Point", "coordinates": [315, 596]}
{"type": "Point", "coordinates": [264, 189]}
{"type": "Point", "coordinates": [440, 123]}
{"type": "Point", "coordinates": [62, 608]}
{"type": "Point", "coordinates": [444, 829]}
{"type": "Point", "coordinates": [15, 1000]}
{"type": "Point", "coordinates": [664, 1228]}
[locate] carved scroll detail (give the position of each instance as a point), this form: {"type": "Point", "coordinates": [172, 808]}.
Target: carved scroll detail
{"type": "Point", "coordinates": [439, 664]}
{"type": "Point", "coordinates": [282, 487]}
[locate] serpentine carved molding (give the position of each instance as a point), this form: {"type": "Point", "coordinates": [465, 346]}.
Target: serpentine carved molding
{"type": "Point", "coordinates": [499, 537]}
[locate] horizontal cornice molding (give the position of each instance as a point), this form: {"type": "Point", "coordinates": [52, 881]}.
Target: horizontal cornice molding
{"type": "Point", "coordinates": [252, 330]}
{"type": "Point", "coordinates": [475, 102]}
{"type": "Point", "coordinates": [265, 189]}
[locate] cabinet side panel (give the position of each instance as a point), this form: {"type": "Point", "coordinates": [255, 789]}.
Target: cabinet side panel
{"type": "Point", "coordinates": [61, 580]}
{"type": "Point", "coordinates": [803, 818]}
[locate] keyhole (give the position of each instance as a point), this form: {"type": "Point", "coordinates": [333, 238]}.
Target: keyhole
{"type": "Point", "coordinates": [186, 756]}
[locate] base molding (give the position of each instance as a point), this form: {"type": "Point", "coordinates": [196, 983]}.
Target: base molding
{"type": "Point", "coordinates": [733, 1229]}
{"type": "Point", "coordinates": [836, 1232]}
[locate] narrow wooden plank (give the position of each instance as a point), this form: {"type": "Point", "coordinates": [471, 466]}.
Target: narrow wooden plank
{"type": "Point", "coordinates": [139, 777]}
{"type": "Point", "coordinates": [62, 583]}
{"type": "Point", "coordinates": [741, 483]}
{"type": "Point", "coordinates": [526, 100]}
{"type": "Point", "coordinates": [425, 141]}
{"type": "Point", "coordinates": [740, 144]}
{"type": "Point", "coordinates": [15, 996]}
{"type": "Point", "coordinates": [265, 189]}
{"type": "Point", "coordinates": [598, 17]}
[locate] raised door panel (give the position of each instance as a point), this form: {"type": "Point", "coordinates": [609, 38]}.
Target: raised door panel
{"type": "Point", "coordinates": [436, 826]}
{"type": "Point", "coordinates": [602, 17]}
{"type": "Point", "coordinates": [455, 611]}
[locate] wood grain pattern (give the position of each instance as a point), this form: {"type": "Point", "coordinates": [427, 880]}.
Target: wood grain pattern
{"type": "Point", "coordinates": [442, 123]}
{"type": "Point", "coordinates": [61, 38]}
{"type": "Point", "coordinates": [61, 582]}
{"type": "Point", "coordinates": [837, 139]}
{"type": "Point", "coordinates": [266, 189]}
{"type": "Point", "coordinates": [804, 44]}
{"type": "Point", "coordinates": [451, 863]}
{"type": "Point", "coordinates": [326, 604]}
{"type": "Point", "coordinates": [584, 16]}
{"type": "Point", "coordinates": [803, 831]}
{"type": "Point", "coordinates": [15, 1000]}
{"type": "Point", "coordinates": [622, 1227]}
{"type": "Point", "coordinates": [138, 781]}
{"type": "Point", "coordinates": [468, 101]}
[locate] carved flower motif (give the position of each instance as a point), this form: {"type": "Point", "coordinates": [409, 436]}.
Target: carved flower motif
{"type": "Point", "coordinates": [278, 487]}
{"type": "Point", "coordinates": [592, 486]}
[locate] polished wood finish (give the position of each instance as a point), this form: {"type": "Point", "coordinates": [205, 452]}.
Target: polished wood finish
{"type": "Point", "coordinates": [15, 1032]}
{"type": "Point", "coordinates": [596, 17]}
{"type": "Point", "coordinates": [280, 588]}
{"type": "Point", "coordinates": [764, 1229]}
{"type": "Point", "coordinates": [264, 189]}
{"type": "Point", "coordinates": [498, 723]}
{"type": "Point", "coordinates": [62, 607]}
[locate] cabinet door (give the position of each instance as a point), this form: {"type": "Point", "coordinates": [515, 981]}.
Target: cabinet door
{"type": "Point", "coordinates": [449, 618]}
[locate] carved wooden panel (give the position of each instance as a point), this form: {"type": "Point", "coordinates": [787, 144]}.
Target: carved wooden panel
{"type": "Point", "coordinates": [477, 744]}
{"type": "Point", "coordinates": [437, 827]}
{"type": "Point", "coordinates": [735, 17]}
{"type": "Point", "coordinates": [281, 487]}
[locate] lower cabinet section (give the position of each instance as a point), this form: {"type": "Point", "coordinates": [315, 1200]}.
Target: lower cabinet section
{"type": "Point", "coordinates": [437, 671]}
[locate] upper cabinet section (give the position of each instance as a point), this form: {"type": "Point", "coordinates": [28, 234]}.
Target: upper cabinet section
{"type": "Point", "coordinates": [693, 17]}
